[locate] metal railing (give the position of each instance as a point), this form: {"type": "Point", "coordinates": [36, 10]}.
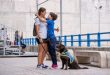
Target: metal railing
{"type": "Point", "coordinates": [88, 40]}
{"type": "Point", "coordinates": [71, 39]}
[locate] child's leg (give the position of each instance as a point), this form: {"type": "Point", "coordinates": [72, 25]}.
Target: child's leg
{"type": "Point", "coordinates": [52, 53]}
{"type": "Point", "coordinates": [52, 50]}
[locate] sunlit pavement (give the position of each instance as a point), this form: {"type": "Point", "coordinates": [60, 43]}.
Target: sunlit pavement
{"type": "Point", "coordinates": [27, 66]}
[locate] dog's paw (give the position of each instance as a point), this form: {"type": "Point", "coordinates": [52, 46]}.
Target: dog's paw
{"type": "Point", "coordinates": [61, 68]}
{"type": "Point", "coordinates": [66, 69]}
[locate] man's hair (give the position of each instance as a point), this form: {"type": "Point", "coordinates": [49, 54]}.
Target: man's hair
{"type": "Point", "coordinates": [53, 15]}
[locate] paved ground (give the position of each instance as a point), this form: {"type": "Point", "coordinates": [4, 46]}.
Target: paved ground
{"type": "Point", "coordinates": [27, 66]}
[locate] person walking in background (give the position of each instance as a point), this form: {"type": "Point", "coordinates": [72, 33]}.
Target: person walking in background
{"type": "Point", "coordinates": [23, 46]}
{"type": "Point", "coordinates": [17, 37]}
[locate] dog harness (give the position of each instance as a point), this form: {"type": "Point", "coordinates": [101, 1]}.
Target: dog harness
{"type": "Point", "coordinates": [67, 54]}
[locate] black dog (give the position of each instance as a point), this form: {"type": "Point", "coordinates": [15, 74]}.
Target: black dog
{"type": "Point", "coordinates": [66, 58]}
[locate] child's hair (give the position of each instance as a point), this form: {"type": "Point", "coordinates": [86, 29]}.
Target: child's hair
{"type": "Point", "coordinates": [53, 15]}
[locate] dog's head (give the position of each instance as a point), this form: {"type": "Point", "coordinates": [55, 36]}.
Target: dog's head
{"type": "Point", "coordinates": [60, 48]}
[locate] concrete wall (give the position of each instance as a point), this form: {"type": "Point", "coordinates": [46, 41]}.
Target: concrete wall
{"type": "Point", "coordinates": [20, 15]}
{"type": "Point", "coordinates": [90, 16]}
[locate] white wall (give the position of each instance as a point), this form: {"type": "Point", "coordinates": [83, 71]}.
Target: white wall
{"type": "Point", "coordinates": [20, 15]}
{"type": "Point", "coordinates": [90, 16]}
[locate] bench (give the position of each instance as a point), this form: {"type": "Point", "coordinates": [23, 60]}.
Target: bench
{"type": "Point", "coordinates": [108, 59]}
{"type": "Point", "coordinates": [15, 51]}
{"type": "Point", "coordinates": [97, 58]}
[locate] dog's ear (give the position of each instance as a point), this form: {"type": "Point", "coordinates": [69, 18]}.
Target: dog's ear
{"type": "Point", "coordinates": [62, 46]}
{"type": "Point", "coordinates": [58, 47]}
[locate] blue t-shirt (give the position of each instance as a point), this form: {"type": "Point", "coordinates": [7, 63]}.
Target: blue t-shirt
{"type": "Point", "coordinates": [50, 28]}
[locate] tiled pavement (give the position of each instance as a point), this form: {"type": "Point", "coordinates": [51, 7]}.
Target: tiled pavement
{"type": "Point", "coordinates": [27, 66]}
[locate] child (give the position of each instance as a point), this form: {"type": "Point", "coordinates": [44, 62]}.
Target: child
{"type": "Point", "coordinates": [51, 36]}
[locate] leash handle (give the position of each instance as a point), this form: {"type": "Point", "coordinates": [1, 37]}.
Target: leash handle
{"type": "Point", "coordinates": [43, 47]}
{"type": "Point", "coordinates": [41, 42]}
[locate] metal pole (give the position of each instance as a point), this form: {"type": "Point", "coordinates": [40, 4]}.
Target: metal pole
{"type": "Point", "coordinates": [37, 2]}
{"type": "Point", "coordinates": [43, 2]}
{"type": "Point", "coordinates": [61, 18]}
{"type": "Point", "coordinates": [4, 38]}
{"type": "Point", "coordinates": [80, 14]}
{"type": "Point", "coordinates": [99, 19]}
{"type": "Point", "coordinates": [4, 41]}
{"type": "Point", "coordinates": [99, 15]}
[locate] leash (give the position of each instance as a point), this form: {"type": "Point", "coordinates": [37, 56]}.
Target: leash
{"type": "Point", "coordinates": [43, 47]}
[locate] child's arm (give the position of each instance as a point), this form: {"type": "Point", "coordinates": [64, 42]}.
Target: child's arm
{"type": "Point", "coordinates": [56, 29]}
{"type": "Point", "coordinates": [41, 19]}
